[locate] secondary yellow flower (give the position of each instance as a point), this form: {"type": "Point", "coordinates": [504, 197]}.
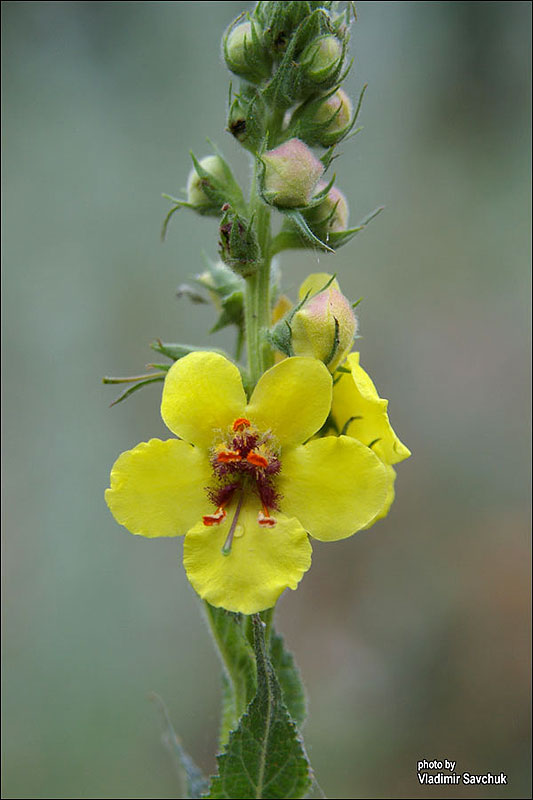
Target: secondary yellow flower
{"type": "Point", "coordinates": [359, 412]}
{"type": "Point", "coordinates": [240, 483]}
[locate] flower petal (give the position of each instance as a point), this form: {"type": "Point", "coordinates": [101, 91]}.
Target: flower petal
{"type": "Point", "coordinates": [203, 393]}
{"type": "Point", "coordinates": [389, 499]}
{"type": "Point", "coordinates": [355, 396]}
{"type": "Point", "coordinates": [261, 564]}
{"type": "Point", "coordinates": [158, 488]}
{"type": "Point", "coordinates": [335, 486]}
{"type": "Point", "coordinates": [292, 399]}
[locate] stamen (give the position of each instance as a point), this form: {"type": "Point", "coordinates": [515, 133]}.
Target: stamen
{"type": "Point", "coordinates": [216, 518]}
{"type": "Point", "coordinates": [228, 456]}
{"type": "Point", "coordinates": [226, 548]}
{"type": "Point", "coordinates": [241, 423]}
{"type": "Point", "coordinates": [256, 459]}
{"type": "Point", "coordinates": [265, 520]}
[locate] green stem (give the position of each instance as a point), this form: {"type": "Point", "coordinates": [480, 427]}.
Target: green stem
{"type": "Point", "coordinates": [251, 324]}
{"type": "Point", "coordinates": [232, 660]}
{"type": "Point", "coordinates": [257, 298]}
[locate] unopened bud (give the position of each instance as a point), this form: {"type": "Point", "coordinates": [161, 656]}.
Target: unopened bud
{"type": "Point", "coordinates": [244, 52]}
{"type": "Point", "coordinates": [247, 118]}
{"type": "Point", "coordinates": [196, 184]}
{"type": "Point", "coordinates": [238, 246]}
{"type": "Point", "coordinates": [331, 215]}
{"type": "Point", "coordinates": [324, 327]}
{"type": "Point", "coordinates": [291, 174]}
{"type": "Point", "coordinates": [336, 109]}
{"type": "Point", "coordinates": [322, 58]}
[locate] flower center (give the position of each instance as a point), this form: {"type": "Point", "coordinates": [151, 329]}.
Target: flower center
{"type": "Point", "coordinates": [244, 461]}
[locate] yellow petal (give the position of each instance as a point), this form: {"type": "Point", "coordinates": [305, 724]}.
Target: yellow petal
{"type": "Point", "coordinates": [262, 562]}
{"type": "Point", "coordinates": [292, 399]}
{"type": "Point", "coordinates": [158, 488]}
{"type": "Point", "coordinates": [203, 394]}
{"type": "Point", "coordinates": [355, 395]}
{"type": "Point", "coordinates": [334, 486]}
{"type": "Point", "coordinates": [315, 283]}
{"type": "Point", "coordinates": [389, 499]}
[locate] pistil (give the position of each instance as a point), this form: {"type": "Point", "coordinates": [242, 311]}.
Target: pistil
{"type": "Point", "coordinates": [226, 549]}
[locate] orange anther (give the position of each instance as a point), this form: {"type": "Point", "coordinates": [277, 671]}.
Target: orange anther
{"type": "Point", "coordinates": [214, 519]}
{"type": "Point", "coordinates": [241, 423]}
{"type": "Point", "coordinates": [227, 456]}
{"type": "Point", "coordinates": [256, 459]}
{"type": "Point", "coordinates": [265, 520]}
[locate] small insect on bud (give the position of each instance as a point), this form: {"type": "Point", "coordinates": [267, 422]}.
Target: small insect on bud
{"type": "Point", "coordinates": [322, 59]}
{"type": "Point", "coordinates": [338, 110]}
{"type": "Point", "coordinates": [200, 189]}
{"type": "Point", "coordinates": [290, 175]}
{"type": "Point", "coordinates": [331, 215]}
{"type": "Point", "coordinates": [244, 52]}
{"type": "Point", "coordinates": [324, 327]}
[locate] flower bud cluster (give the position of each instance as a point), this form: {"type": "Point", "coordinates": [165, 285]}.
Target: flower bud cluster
{"type": "Point", "coordinates": [293, 55]}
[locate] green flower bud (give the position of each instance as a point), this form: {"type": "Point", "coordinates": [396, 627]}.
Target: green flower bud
{"type": "Point", "coordinates": [238, 245]}
{"type": "Point", "coordinates": [244, 52]}
{"type": "Point", "coordinates": [331, 215]}
{"type": "Point", "coordinates": [290, 175]}
{"type": "Point", "coordinates": [247, 118]}
{"type": "Point", "coordinates": [322, 59]}
{"type": "Point", "coordinates": [337, 110]}
{"type": "Point", "coordinates": [196, 185]}
{"type": "Point", "coordinates": [324, 327]}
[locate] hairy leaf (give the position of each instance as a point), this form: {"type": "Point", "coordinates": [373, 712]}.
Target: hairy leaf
{"type": "Point", "coordinates": [238, 664]}
{"type": "Point", "coordinates": [289, 678]}
{"type": "Point", "coordinates": [264, 757]}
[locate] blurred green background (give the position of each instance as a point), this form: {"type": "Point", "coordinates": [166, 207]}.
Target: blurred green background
{"type": "Point", "coordinates": [413, 637]}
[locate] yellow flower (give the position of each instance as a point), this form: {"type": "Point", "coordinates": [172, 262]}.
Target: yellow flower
{"type": "Point", "coordinates": [240, 483]}
{"type": "Point", "coordinates": [359, 412]}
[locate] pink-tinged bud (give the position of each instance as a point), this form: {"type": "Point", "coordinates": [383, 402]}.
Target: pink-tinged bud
{"type": "Point", "coordinates": [332, 213]}
{"type": "Point", "coordinates": [325, 326]}
{"type": "Point", "coordinates": [338, 109]}
{"type": "Point", "coordinates": [291, 174]}
{"type": "Point", "coordinates": [195, 192]}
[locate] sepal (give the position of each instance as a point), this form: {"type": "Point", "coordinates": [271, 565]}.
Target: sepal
{"type": "Point", "coordinates": [238, 245]}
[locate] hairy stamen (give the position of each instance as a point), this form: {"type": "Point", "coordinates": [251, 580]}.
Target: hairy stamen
{"type": "Point", "coordinates": [216, 518]}
{"type": "Point", "coordinates": [228, 456]}
{"type": "Point", "coordinates": [241, 423]}
{"type": "Point", "coordinates": [256, 459]}
{"type": "Point", "coordinates": [264, 519]}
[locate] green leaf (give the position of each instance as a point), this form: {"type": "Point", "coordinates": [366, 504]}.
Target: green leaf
{"type": "Point", "coordinates": [265, 757]}
{"type": "Point", "coordinates": [195, 781]}
{"type": "Point", "coordinates": [177, 351]}
{"type": "Point", "coordinates": [238, 664]}
{"type": "Point", "coordinates": [134, 388]}
{"type": "Point", "coordinates": [232, 311]}
{"type": "Point", "coordinates": [289, 679]}
{"type": "Point", "coordinates": [184, 290]}
{"type": "Point", "coordinates": [301, 224]}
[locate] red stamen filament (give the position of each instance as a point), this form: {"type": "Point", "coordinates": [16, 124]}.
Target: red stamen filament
{"type": "Point", "coordinates": [226, 548]}
{"type": "Point", "coordinates": [241, 423]}
{"type": "Point", "coordinates": [256, 459]}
